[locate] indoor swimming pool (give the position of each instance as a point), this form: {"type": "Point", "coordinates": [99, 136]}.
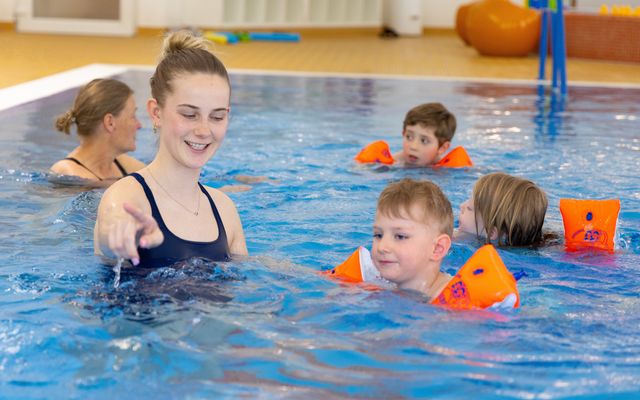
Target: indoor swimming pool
{"type": "Point", "coordinates": [271, 326]}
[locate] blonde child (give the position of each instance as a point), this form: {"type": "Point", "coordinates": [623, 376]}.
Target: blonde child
{"type": "Point", "coordinates": [505, 209]}
{"type": "Point", "coordinates": [411, 236]}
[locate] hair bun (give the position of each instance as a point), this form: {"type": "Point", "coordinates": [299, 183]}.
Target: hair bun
{"type": "Point", "coordinates": [183, 40]}
{"type": "Point", "coordinates": [64, 121]}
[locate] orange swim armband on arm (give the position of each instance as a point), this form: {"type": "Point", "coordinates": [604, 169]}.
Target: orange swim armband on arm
{"type": "Point", "coordinates": [376, 152]}
{"type": "Point", "coordinates": [482, 282]}
{"type": "Point", "coordinates": [589, 223]}
{"type": "Point", "coordinates": [349, 270]}
{"type": "Point", "coordinates": [456, 158]}
{"type": "Point", "coordinates": [359, 268]}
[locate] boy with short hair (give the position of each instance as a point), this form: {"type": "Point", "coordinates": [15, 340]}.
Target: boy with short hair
{"type": "Point", "coordinates": [412, 235]}
{"type": "Point", "coordinates": [427, 132]}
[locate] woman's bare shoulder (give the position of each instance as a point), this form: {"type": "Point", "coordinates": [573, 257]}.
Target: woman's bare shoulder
{"type": "Point", "coordinates": [65, 167]}
{"type": "Point", "coordinates": [219, 196]}
{"type": "Point", "coordinates": [126, 189]}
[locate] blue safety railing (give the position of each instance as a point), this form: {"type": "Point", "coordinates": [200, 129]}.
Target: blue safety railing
{"type": "Point", "coordinates": [552, 31]}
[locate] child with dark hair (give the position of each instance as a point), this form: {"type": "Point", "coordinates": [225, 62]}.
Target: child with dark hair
{"type": "Point", "coordinates": [427, 132]}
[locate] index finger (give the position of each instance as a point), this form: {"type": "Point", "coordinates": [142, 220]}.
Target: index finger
{"type": "Point", "coordinates": [137, 214]}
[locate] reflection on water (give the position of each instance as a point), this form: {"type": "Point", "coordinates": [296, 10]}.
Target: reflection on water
{"type": "Point", "coordinates": [550, 113]}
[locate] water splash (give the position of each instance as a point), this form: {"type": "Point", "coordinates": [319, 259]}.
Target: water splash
{"type": "Point", "coordinates": [116, 269]}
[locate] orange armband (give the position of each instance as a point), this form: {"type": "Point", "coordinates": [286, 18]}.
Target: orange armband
{"type": "Point", "coordinates": [376, 152]}
{"type": "Point", "coordinates": [456, 158]}
{"type": "Point", "coordinates": [589, 223]}
{"type": "Point", "coordinates": [349, 270]}
{"type": "Point", "coordinates": [359, 268]}
{"type": "Point", "coordinates": [481, 282]}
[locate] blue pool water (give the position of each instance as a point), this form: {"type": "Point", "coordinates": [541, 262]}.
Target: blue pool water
{"type": "Point", "coordinates": [271, 326]}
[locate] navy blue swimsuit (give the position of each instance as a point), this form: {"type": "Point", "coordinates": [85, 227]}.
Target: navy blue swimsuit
{"type": "Point", "coordinates": [173, 248]}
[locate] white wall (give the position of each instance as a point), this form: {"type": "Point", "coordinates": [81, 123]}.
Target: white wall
{"type": "Point", "coordinates": [7, 8]}
{"type": "Point", "coordinates": [171, 13]}
{"type": "Point", "coordinates": [440, 13]}
{"type": "Point", "coordinates": [153, 13]}
{"type": "Point", "coordinates": [157, 13]}
{"type": "Point", "coordinates": [168, 13]}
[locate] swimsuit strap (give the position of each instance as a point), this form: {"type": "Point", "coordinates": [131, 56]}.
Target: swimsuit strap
{"type": "Point", "coordinates": [75, 160]}
{"type": "Point", "coordinates": [216, 214]}
{"type": "Point", "coordinates": [155, 211]}
{"type": "Point", "coordinates": [120, 167]}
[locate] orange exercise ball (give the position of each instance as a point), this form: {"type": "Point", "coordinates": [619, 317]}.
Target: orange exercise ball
{"type": "Point", "coordinates": [461, 22]}
{"type": "Point", "coordinates": [501, 28]}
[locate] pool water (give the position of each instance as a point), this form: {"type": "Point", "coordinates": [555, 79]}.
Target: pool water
{"type": "Point", "coordinates": [271, 326]}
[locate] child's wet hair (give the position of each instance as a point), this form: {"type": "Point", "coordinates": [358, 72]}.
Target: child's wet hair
{"type": "Point", "coordinates": [397, 199]}
{"type": "Point", "coordinates": [511, 207]}
{"type": "Point", "coordinates": [433, 115]}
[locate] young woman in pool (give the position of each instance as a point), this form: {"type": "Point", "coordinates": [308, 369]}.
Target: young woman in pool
{"type": "Point", "coordinates": [162, 214]}
{"type": "Point", "coordinates": [104, 112]}
{"type": "Point", "coordinates": [505, 209]}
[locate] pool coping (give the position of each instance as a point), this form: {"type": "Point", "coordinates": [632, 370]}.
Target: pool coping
{"type": "Point", "coordinates": [52, 84]}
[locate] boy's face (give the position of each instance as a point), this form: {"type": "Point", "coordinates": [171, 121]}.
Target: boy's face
{"type": "Point", "coordinates": [467, 219]}
{"type": "Point", "coordinates": [403, 247]}
{"type": "Point", "coordinates": [420, 145]}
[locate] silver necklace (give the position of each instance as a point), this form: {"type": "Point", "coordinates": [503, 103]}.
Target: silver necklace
{"type": "Point", "coordinates": [172, 198]}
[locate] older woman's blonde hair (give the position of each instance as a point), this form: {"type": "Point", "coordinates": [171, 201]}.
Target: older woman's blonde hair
{"type": "Point", "coordinates": [397, 199]}
{"type": "Point", "coordinates": [93, 101]}
{"type": "Point", "coordinates": [511, 208]}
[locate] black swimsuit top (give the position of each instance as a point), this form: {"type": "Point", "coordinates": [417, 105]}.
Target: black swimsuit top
{"type": "Point", "coordinates": [173, 248]}
{"type": "Point", "coordinates": [115, 160]}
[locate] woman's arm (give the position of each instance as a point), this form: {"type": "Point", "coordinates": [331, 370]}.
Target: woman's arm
{"type": "Point", "coordinates": [231, 221]}
{"type": "Point", "coordinates": [124, 222]}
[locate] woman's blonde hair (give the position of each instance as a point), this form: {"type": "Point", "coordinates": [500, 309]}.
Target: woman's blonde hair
{"type": "Point", "coordinates": [93, 101]}
{"type": "Point", "coordinates": [397, 199]}
{"type": "Point", "coordinates": [183, 53]}
{"type": "Point", "coordinates": [511, 207]}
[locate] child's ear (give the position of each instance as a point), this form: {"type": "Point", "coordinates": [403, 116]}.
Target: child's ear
{"type": "Point", "coordinates": [440, 250]}
{"type": "Point", "coordinates": [494, 234]}
{"type": "Point", "coordinates": [444, 148]}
